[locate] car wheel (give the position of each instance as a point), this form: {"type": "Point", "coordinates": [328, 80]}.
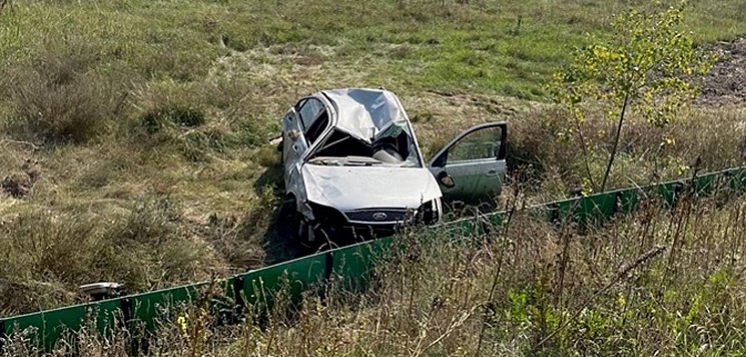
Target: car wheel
{"type": "Point", "coordinates": [293, 226]}
{"type": "Point", "coordinates": [304, 233]}
{"type": "Point", "coordinates": [288, 219]}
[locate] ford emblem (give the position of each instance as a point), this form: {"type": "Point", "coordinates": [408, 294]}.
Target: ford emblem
{"type": "Point", "coordinates": [380, 216]}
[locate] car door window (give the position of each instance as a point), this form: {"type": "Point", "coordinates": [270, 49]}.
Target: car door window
{"type": "Point", "coordinates": [308, 111]}
{"type": "Point", "coordinates": [317, 127]}
{"type": "Point", "coordinates": [471, 168]}
{"type": "Point", "coordinates": [482, 144]}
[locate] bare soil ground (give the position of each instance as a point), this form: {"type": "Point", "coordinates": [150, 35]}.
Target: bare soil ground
{"type": "Point", "coordinates": [726, 82]}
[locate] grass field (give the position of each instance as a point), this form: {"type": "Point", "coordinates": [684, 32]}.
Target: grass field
{"type": "Point", "coordinates": [133, 133]}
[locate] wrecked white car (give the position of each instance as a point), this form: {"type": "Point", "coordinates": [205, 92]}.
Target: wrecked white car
{"type": "Point", "coordinates": [353, 167]}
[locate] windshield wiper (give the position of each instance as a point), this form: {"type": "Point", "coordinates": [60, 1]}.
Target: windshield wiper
{"type": "Point", "coordinates": [358, 163]}
{"type": "Point", "coordinates": [361, 161]}
{"type": "Point", "coordinates": [345, 161]}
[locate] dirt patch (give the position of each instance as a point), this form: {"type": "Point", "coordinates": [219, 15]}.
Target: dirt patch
{"type": "Point", "coordinates": [20, 184]}
{"type": "Point", "coordinates": [726, 82]}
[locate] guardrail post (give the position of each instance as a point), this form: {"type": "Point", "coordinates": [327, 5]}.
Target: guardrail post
{"type": "Point", "coordinates": [329, 265]}
{"type": "Point", "coordinates": [328, 272]}
{"type": "Point", "coordinates": [127, 320]}
{"type": "Point", "coordinates": [677, 189]}
{"type": "Point", "coordinates": [240, 304]}
{"type": "Point", "coordinates": [486, 227]}
{"type": "Point", "coordinates": [126, 306]}
{"type": "Point", "coordinates": [3, 335]}
{"type": "Point", "coordinates": [554, 218]}
{"type": "Point", "coordinates": [617, 203]}
{"type": "Point", "coordinates": [728, 177]}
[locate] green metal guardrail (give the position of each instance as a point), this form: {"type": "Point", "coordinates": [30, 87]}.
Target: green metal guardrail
{"type": "Point", "coordinates": [351, 265]}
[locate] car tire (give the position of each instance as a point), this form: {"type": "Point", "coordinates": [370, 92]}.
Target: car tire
{"type": "Point", "coordinates": [303, 234]}
{"type": "Point", "coordinates": [288, 219]}
{"type": "Point", "coordinates": [291, 224]}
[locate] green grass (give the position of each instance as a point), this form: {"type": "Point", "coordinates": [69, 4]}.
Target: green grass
{"type": "Point", "coordinates": [475, 46]}
{"type": "Point", "coordinates": [128, 102]}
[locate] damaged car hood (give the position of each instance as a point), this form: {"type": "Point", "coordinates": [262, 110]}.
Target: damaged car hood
{"type": "Point", "coordinates": [355, 187]}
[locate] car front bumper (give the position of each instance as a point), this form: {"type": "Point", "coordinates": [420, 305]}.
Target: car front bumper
{"type": "Point", "coordinates": [367, 224]}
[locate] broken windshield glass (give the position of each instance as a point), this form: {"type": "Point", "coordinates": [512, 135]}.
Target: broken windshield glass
{"type": "Point", "coordinates": [369, 123]}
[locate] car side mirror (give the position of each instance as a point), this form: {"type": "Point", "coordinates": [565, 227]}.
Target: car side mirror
{"type": "Point", "coordinates": [294, 134]}
{"type": "Point", "coordinates": [447, 181]}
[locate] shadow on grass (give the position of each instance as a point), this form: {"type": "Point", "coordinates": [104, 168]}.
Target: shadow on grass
{"type": "Point", "coordinates": [277, 241]}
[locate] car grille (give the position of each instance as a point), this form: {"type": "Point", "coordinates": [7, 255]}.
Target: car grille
{"type": "Point", "coordinates": [377, 215]}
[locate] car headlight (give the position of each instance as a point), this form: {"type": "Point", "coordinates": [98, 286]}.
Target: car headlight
{"type": "Point", "coordinates": [325, 214]}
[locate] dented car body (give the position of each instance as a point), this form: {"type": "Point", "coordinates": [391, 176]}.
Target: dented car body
{"type": "Point", "coordinates": [353, 166]}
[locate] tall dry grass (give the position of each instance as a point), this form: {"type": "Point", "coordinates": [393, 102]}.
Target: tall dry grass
{"type": "Point", "coordinates": [46, 257]}
{"type": "Point", "coordinates": [657, 282]}
{"type": "Point", "coordinates": [704, 139]}
{"type": "Point", "coordinates": [60, 95]}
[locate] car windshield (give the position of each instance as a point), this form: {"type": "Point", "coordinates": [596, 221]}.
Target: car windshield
{"type": "Point", "coordinates": [394, 146]}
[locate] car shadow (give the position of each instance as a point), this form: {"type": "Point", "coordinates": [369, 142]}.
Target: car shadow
{"type": "Point", "coordinates": [277, 241]}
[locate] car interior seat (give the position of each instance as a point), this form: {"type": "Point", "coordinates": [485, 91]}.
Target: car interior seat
{"type": "Point", "coordinates": [385, 150]}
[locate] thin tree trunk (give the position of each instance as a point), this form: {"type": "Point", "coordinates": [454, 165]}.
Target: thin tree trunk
{"type": "Point", "coordinates": [616, 142]}
{"type": "Point", "coordinates": [585, 153]}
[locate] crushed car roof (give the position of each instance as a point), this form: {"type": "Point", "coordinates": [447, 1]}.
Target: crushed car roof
{"type": "Point", "coordinates": [364, 112]}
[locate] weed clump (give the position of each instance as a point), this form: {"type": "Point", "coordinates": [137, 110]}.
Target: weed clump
{"type": "Point", "coordinates": [59, 96]}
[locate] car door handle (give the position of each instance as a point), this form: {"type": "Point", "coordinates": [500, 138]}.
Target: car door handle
{"type": "Point", "coordinates": [295, 148]}
{"type": "Point", "coordinates": [492, 173]}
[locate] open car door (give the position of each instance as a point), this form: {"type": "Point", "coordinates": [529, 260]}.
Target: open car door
{"type": "Point", "coordinates": [471, 168]}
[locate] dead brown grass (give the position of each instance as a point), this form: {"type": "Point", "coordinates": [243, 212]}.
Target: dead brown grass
{"type": "Point", "coordinates": [707, 139]}
{"type": "Point", "coordinates": [46, 257]}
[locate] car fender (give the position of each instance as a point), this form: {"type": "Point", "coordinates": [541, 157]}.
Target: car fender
{"type": "Point", "coordinates": [296, 188]}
